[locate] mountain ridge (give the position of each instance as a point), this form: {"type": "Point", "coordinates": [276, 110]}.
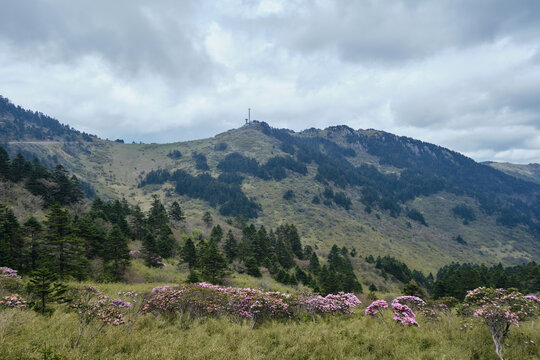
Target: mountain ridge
{"type": "Point", "coordinates": [410, 181]}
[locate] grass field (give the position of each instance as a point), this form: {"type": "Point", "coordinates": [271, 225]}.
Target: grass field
{"type": "Point", "coordinates": [27, 335]}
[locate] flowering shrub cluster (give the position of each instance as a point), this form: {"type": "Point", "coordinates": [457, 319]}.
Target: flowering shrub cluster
{"type": "Point", "coordinates": [206, 299]}
{"type": "Point", "coordinates": [430, 314]}
{"type": "Point", "coordinates": [160, 289]}
{"type": "Point", "coordinates": [403, 314]}
{"type": "Point", "coordinates": [103, 309]}
{"type": "Point", "coordinates": [6, 272]}
{"type": "Point", "coordinates": [340, 303]}
{"type": "Point", "coordinates": [500, 308]}
{"type": "Point", "coordinates": [414, 302]}
{"type": "Point", "coordinates": [376, 308]}
{"type": "Point", "coordinates": [13, 301]}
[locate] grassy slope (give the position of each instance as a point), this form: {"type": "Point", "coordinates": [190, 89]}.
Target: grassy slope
{"type": "Point", "coordinates": [114, 169]}
{"type": "Point", "coordinates": [529, 172]}
{"type": "Point", "coordinates": [27, 335]}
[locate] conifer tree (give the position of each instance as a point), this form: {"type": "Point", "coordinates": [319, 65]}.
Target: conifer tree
{"type": "Point", "coordinates": [157, 216]}
{"type": "Point", "coordinates": [189, 253]}
{"type": "Point", "coordinates": [314, 264]}
{"type": "Point", "coordinates": [4, 163]}
{"type": "Point", "coordinates": [165, 242]}
{"type": "Point", "coordinates": [149, 249]}
{"type": "Point", "coordinates": [138, 223]}
{"type": "Point", "coordinates": [251, 267]}
{"type": "Point", "coordinates": [216, 233]}
{"type": "Point", "coordinates": [117, 251]}
{"type": "Point", "coordinates": [33, 230]}
{"type": "Point", "coordinates": [61, 243]}
{"type": "Point", "coordinates": [44, 287]}
{"type": "Point", "coordinates": [11, 238]}
{"type": "Point", "coordinates": [176, 213]}
{"type": "Point", "coordinates": [230, 246]}
{"type": "Point", "coordinates": [207, 218]}
{"type": "Point", "coordinates": [213, 263]}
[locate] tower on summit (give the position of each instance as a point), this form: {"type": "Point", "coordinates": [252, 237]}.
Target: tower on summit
{"type": "Point", "coordinates": [248, 120]}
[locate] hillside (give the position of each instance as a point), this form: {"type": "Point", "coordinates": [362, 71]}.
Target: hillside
{"type": "Point", "coordinates": [374, 191]}
{"type": "Point", "coordinates": [529, 172]}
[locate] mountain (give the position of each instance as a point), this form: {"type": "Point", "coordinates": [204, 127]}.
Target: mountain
{"type": "Point", "coordinates": [529, 172]}
{"type": "Point", "coordinates": [377, 192]}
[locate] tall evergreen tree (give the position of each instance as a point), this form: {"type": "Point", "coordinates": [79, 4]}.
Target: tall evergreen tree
{"type": "Point", "coordinates": [4, 163]}
{"type": "Point", "coordinates": [212, 263]}
{"type": "Point", "coordinates": [176, 213]}
{"type": "Point", "coordinates": [314, 264]}
{"type": "Point", "coordinates": [59, 239]}
{"type": "Point", "coordinates": [117, 252]}
{"type": "Point", "coordinates": [230, 246]}
{"type": "Point", "coordinates": [33, 231]}
{"type": "Point", "coordinates": [165, 242]}
{"type": "Point", "coordinates": [216, 233]}
{"type": "Point", "coordinates": [189, 252]}
{"type": "Point", "coordinates": [138, 223]}
{"type": "Point", "coordinates": [149, 249]}
{"type": "Point", "coordinates": [11, 238]}
{"type": "Point", "coordinates": [157, 217]}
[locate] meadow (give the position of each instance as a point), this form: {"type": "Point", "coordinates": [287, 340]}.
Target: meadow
{"type": "Point", "coordinates": [25, 334]}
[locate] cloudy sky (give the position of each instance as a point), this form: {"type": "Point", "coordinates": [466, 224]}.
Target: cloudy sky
{"type": "Point", "coordinates": [462, 74]}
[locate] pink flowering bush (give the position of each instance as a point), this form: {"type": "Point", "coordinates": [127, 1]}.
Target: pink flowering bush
{"type": "Point", "coordinates": [205, 299]}
{"type": "Point", "coordinates": [13, 301]}
{"type": "Point", "coordinates": [6, 272]}
{"type": "Point", "coordinates": [376, 309]}
{"type": "Point", "coordinates": [534, 303]}
{"type": "Point", "coordinates": [92, 306]}
{"type": "Point", "coordinates": [414, 302]}
{"type": "Point", "coordinates": [341, 303]}
{"type": "Point", "coordinates": [500, 308]}
{"type": "Point", "coordinates": [160, 289]}
{"type": "Point", "coordinates": [403, 314]}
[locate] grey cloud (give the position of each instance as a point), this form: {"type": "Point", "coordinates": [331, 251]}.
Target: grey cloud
{"type": "Point", "coordinates": [133, 36]}
{"type": "Point", "coordinates": [396, 31]}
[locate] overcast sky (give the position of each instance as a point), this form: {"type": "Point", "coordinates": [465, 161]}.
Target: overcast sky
{"type": "Point", "coordinates": [461, 74]}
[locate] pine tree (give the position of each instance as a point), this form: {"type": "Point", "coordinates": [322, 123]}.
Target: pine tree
{"type": "Point", "coordinates": [4, 163]}
{"type": "Point", "coordinates": [176, 213]}
{"type": "Point", "coordinates": [12, 239]}
{"type": "Point", "coordinates": [44, 287]}
{"type": "Point", "coordinates": [217, 233]}
{"type": "Point", "coordinates": [230, 246]}
{"type": "Point", "coordinates": [212, 263]}
{"type": "Point", "coordinates": [92, 236]}
{"type": "Point", "coordinates": [189, 253]}
{"type": "Point", "coordinates": [328, 281]}
{"type": "Point", "coordinates": [314, 264]}
{"type": "Point", "coordinates": [65, 248]}
{"type": "Point", "coordinates": [117, 251]}
{"type": "Point", "coordinates": [252, 268]}
{"type": "Point", "coordinates": [33, 230]}
{"type": "Point", "coordinates": [157, 216]}
{"type": "Point", "coordinates": [207, 218]}
{"type": "Point", "coordinates": [138, 223]}
{"type": "Point", "coordinates": [165, 242]}
{"type": "Point", "coordinates": [149, 249]}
